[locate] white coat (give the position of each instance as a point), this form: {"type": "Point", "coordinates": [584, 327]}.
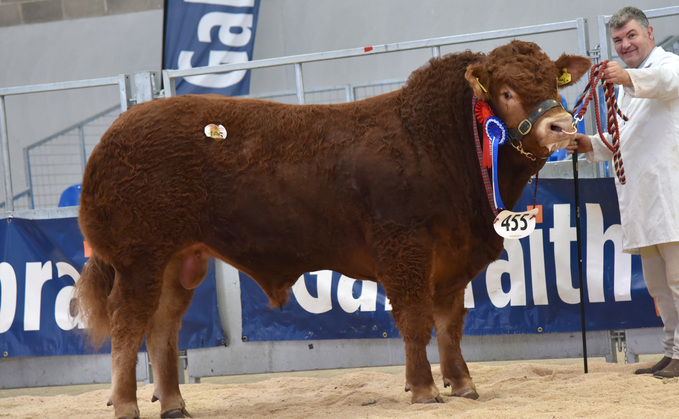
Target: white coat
{"type": "Point", "coordinates": [649, 200]}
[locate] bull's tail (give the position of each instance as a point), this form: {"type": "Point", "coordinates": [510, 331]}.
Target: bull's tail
{"type": "Point", "coordinates": [91, 294]}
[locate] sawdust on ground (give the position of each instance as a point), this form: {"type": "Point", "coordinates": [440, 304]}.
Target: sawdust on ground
{"type": "Point", "coordinates": [536, 389]}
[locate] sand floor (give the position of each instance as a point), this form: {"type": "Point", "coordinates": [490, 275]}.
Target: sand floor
{"type": "Point", "coordinates": [536, 389]}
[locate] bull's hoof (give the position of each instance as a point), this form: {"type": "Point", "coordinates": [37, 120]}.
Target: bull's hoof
{"type": "Point", "coordinates": [437, 399]}
{"type": "Point", "coordinates": [130, 412]}
{"type": "Point", "coordinates": [175, 413]}
{"type": "Point", "coordinates": [430, 395]}
{"type": "Point", "coordinates": [468, 393]}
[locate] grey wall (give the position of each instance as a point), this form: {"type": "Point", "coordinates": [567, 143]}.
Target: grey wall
{"type": "Point", "coordinates": [290, 27]}
{"type": "Point", "coordinates": [20, 12]}
{"type": "Point", "coordinates": [110, 44]}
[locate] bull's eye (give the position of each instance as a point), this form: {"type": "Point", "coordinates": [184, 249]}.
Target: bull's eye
{"type": "Point", "coordinates": [507, 95]}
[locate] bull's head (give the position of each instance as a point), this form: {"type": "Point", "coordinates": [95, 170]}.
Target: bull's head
{"type": "Point", "coordinates": [521, 84]}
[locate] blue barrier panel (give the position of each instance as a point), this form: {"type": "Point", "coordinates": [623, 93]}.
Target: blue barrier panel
{"type": "Point", "coordinates": [40, 262]}
{"type": "Point", "coordinates": [533, 288]}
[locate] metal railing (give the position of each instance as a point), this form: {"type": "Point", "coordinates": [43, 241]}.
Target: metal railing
{"type": "Point", "coordinates": [335, 94]}
{"type": "Point", "coordinates": [56, 162]}
{"type": "Point", "coordinates": [121, 81]}
{"type": "Point", "coordinates": [435, 44]}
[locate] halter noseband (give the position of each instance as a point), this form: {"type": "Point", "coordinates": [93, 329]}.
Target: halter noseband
{"type": "Point", "coordinates": [516, 134]}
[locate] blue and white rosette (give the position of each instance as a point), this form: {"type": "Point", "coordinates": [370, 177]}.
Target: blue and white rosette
{"type": "Point", "coordinates": [497, 133]}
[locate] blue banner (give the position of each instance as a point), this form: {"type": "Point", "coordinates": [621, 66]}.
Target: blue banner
{"type": "Point", "coordinates": [532, 288]}
{"type": "Point", "coordinates": [40, 261]}
{"type": "Point", "coordinates": [201, 33]}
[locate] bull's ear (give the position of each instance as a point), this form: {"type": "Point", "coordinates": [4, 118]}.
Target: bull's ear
{"type": "Point", "coordinates": [571, 68]}
{"type": "Point", "coordinates": [479, 80]}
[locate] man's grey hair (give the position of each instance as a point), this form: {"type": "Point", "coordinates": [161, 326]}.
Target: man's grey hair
{"type": "Point", "coordinates": [624, 15]}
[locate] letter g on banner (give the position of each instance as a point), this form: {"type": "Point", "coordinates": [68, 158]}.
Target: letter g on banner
{"type": "Point", "coordinates": [201, 33]}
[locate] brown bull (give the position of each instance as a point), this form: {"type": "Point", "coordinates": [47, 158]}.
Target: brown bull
{"type": "Point", "coordinates": [387, 189]}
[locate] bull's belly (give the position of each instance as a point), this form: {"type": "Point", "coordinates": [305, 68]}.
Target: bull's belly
{"type": "Point", "coordinates": [288, 259]}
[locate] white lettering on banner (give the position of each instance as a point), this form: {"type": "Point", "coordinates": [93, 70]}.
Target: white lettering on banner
{"type": "Point", "coordinates": [62, 305]}
{"type": "Point", "coordinates": [537, 269]}
{"type": "Point", "coordinates": [315, 305]}
{"type": "Point", "coordinates": [469, 296]}
{"type": "Point", "coordinates": [37, 274]}
{"type": "Point", "coordinates": [235, 30]}
{"type": "Point", "coordinates": [8, 296]}
{"type": "Point", "coordinates": [562, 235]}
{"type": "Point", "coordinates": [215, 81]}
{"type": "Point", "coordinates": [365, 301]}
{"type": "Point", "coordinates": [513, 266]}
{"type": "Point", "coordinates": [596, 239]}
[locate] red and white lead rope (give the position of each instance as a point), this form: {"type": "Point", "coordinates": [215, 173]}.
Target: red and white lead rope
{"type": "Point", "coordinates": [596, 75]}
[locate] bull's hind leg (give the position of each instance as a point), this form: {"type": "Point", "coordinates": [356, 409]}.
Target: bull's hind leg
{"type": "Point", "coordinates": [132, 302]}
{"type": "Point", "coordinates": [162, 336]}
{"type": "Point", "coordinates": [449, 315]}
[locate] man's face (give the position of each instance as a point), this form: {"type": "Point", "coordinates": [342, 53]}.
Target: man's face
{"type": "Point", "coordinates": [633, 43]}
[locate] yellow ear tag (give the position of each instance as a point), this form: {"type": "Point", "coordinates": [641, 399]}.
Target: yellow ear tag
{"type": "Point", "coordinates": [218, 132]}
{"type": "Point", "coordinates": [482, 88]}
{"type": "Point", "coordinates": [565, 77]}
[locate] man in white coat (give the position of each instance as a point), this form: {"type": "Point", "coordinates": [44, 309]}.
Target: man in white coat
{"type": "Point", "coordinates": [649, 147]}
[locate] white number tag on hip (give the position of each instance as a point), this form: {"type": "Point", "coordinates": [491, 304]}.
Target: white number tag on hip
{"type": "Point", "coordinates": [515, 225]}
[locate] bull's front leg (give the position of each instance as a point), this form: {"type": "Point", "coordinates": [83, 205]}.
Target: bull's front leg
{"type": "Point", "coordinates": [449, 313]}
{"type": "Point", "coordinates": [413, 317]}
{"type": "Point", "coordinates": [402, 268]}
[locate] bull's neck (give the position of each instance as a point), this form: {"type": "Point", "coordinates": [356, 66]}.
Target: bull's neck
{"type": "Point", "coordinates": [514, 171]}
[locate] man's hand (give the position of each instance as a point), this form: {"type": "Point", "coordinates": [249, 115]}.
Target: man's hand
{"type": "Point", "coordinates": [614, 73]}
{"type": "Point", "coordinates": [581, 142]}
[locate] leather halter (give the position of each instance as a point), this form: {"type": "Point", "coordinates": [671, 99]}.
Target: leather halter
{"type": "Point", "coordinates": [516, 134]}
